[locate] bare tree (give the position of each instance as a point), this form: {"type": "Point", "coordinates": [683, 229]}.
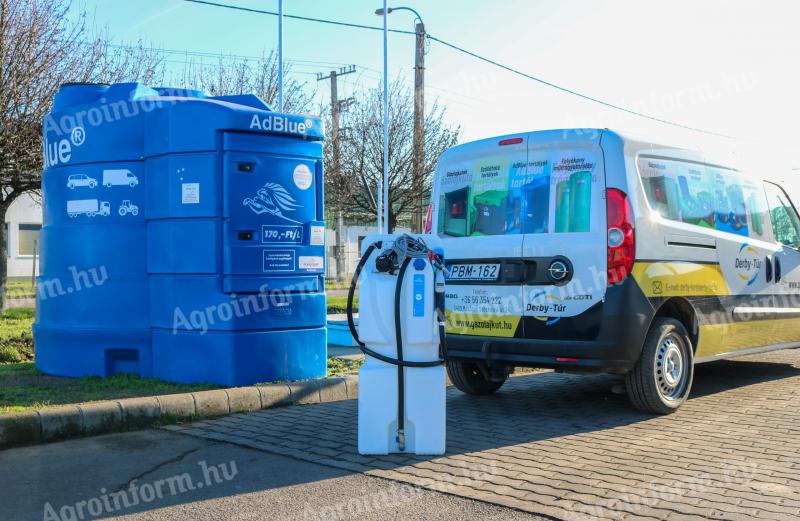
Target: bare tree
{"type": "Point", "coordinates": [41, 47]}
{"type": "Point", "coordinates": [236, 75]}
{"type": "Point", "coordinates": [352, 186]}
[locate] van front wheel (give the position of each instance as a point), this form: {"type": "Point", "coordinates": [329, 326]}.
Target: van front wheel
{"type": "Point", "coordinates": [662, 378]}
{"type": "Point", "coordinates": [469, 378]}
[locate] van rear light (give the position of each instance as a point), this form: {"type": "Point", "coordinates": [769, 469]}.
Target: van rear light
{"type": "Point", "coordinates": [567, 359]}
{"type": "Point", "coordinates": [621, 238]}
{"type": "Point", "coordinates": [429, 218]}
{"type": "Point", "coordinates": [510, 141]}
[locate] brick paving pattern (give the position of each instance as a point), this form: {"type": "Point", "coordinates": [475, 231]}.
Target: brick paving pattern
{"type": "Point", "coordinates": [568, 447]}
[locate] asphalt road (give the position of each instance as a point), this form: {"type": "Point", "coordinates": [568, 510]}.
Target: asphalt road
{"type": "Point", "coordinates": [159, 475]}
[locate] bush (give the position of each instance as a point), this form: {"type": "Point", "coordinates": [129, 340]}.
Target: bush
{"type": "Point", "coordinates": [16, 337]}
{"type": "Point", "coordinates": [10, 355]}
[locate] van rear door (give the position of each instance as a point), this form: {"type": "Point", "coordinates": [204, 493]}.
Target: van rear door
{"type": "Point", "coordinates": [564, 235]}
{"type": "Point", "coordinates": [479, 218]}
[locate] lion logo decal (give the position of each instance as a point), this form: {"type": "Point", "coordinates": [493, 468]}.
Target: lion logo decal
{"type": "Point", "coordinates": [273, 199]}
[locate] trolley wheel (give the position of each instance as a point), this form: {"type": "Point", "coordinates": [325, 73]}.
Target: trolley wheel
{"type": "Point", "coordinates": [468, 378]}
{"type": "Point", "coordinates": [662, 378]}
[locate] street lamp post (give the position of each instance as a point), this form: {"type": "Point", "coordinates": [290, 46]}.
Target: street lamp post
{"type": "Point", "coordinates": [383, 200]}
{"type": "Point", "coordinates": [418, 161]}
{"type": "Point", "coordinates": [280, 55]}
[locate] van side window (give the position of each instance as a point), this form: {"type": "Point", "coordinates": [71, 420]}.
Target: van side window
{"type": "Point", "coordinates": [679, 191]}
{"type": "Point", "coordinates": [785, 222]}
{"type": "Point", "coordinates": [757, 210]}
{"type": "Point", "coordinates": [705, 196]}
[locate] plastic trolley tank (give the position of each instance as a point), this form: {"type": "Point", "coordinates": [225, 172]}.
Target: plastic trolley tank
{"type": "Point", "coordinates": [217, 276]}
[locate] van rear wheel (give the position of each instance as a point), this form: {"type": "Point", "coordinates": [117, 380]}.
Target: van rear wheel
{"type": "Point", "coordinates": [468, 378]}
{"type": "Point", "coordinates": [662, 378]}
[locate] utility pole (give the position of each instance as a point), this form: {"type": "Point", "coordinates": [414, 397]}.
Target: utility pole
{"type": "Point", "coordinates": [419, 124]}
{"type": "Point", "coordinates": [337, 106]}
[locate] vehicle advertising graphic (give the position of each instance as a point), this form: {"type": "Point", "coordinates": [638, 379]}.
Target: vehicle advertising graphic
{"type": "Point", "coordinates": [272, 199]}
{"type": "Point", "coordinates": [541, 192]}
{"type": "Point", "coordinates": [465, 303]}
{"type": "Point", "coordinates": [547, 306]}
{"type": "Point", "coordinates": [483, 310]}
{"type": "Point", "coordinates": [748, 264]}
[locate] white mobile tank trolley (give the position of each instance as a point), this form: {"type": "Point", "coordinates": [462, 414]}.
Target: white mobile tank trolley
{"type": "Point", "coordinates": [401, 398]}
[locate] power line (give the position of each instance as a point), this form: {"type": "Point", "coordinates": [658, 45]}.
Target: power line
{"type": "Point", "coordinates": [473, 55]}
{"type": "Point", "coordinates": [570, 91]}
{"type": "Point", "coordinates": [224, 56]}
{"type": "Point", "coordinates": [314, 64]}
{"type": "Point", "coordinates": [296, 17]}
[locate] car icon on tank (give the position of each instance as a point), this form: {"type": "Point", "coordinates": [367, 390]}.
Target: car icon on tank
{"type": "Point", "coordinates": [81, 180]}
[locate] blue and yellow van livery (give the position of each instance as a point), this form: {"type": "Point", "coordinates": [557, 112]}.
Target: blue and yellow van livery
{"type": "Point", "coordinates": [593, 251]}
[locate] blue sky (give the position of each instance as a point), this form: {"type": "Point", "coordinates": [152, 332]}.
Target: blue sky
{"type": "Point", "coordinates": [726, 66]}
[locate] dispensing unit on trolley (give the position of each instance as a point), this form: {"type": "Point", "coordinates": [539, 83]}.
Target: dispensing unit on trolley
{"type": "Point", "coordinates": [401, 405]}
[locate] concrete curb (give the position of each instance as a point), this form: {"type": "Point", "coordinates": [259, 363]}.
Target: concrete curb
{"type": "Point", "coordinates": [93, 418]}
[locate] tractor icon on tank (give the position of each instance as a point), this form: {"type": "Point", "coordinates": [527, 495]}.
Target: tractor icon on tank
{"type": "Point", "coordinates": [128, 208]}
{"type": "Point", "coordinates": [272, 199]}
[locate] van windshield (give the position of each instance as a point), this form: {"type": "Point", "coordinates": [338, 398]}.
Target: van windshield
{"type": "Point", "coordinates": [550, 192]}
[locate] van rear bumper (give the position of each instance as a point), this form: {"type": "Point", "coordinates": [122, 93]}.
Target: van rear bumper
{"type": "Point", "coordinates": [577, 355]}
{"type": "Point", "coordinates": [624, 318]}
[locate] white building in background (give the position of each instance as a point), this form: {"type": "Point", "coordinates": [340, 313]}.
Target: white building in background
{"type": "Point", "coordinates": [23, 224]}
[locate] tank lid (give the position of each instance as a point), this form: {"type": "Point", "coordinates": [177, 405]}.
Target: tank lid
{"type": "Point", "coordinates": [83, 83]}
{"type": "Point", "coordinates": [180, 93]}
{"type": "Point", "coordinates": [78, 93]}
{"type": "Point", "coordinates": [248, 100]}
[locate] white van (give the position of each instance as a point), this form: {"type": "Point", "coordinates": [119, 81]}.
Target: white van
{"type": "Point", "coordinates": [591, 251]}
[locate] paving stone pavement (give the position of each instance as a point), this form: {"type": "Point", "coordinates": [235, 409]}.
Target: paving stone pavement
{"type": "Point", "coordinates": [566, 446]}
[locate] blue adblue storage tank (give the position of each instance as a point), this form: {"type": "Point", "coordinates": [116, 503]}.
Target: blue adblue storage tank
{"type": "Point", "coordinates": [183, 238]}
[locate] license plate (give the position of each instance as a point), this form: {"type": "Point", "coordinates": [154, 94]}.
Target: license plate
{"type": "Point", "coordinates": [473, 271]}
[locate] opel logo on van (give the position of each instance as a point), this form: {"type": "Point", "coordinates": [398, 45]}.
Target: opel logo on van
{"type": "Point", "coordinates": [558, 271]}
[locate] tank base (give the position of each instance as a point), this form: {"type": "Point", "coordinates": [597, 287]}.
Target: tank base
{"type": "Point", "coordinates": [239, 358]}
{"type": "Point", "coordinates": [92, 352]}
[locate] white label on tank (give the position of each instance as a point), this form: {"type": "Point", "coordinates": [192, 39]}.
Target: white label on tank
{"type": "Point", "coordinates": [190, 193]}
{"type": "Point", "coordinates": [302, 176]}
{"type": "Point", "coordinates": [313, 262]}
{"type": "Point", "coordinates": [317, 235]}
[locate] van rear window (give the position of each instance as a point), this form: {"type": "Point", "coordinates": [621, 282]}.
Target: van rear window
{"type": "Point", "coordinates": [706, 196]}
{"type": "Point", "coordinates": [541, 192]}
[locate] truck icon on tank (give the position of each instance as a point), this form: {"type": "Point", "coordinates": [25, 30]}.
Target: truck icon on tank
{"type": "Point", "coordinates": [88, 207]}
{"type": "Point", "coordinates": [119, 177]}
